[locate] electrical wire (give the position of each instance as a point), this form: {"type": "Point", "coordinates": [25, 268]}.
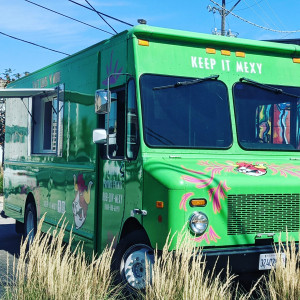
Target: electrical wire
{"type": "Point", "coordinates": [274, 13]}
{"type": "Point", "coordinates": [252, 23]}
{"type": "Point", "coordinates": [249, 6]}
{"type": "Point", "coordinates": [234, 6]}
{"type": "Point", "coordinates": [267, 16]}
{"type": "Point", "coordinates": [68, 17]}
{"type": "Point", "coordinates": [100, 15]}
{"type": "Point", "coordinates": [258, 14]}
{"type": "Point", "coordinates": [105, 15]}
{"type": "Point", "coordinates": [34, 44]}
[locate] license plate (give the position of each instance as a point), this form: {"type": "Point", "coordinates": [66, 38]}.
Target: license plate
{"type": "Point", "coordinates": [268, 261]}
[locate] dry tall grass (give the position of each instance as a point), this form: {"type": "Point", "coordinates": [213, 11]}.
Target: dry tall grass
{"type": "Point", "coordinates": [181, 275]}
{"type": "Point", "coordinates": [283, 282]}
{"type": "Point", "coordinates": [50, 270]}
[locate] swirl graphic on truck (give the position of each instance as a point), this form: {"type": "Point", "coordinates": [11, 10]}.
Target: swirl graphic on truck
{"type": "Point", "coordinates": [217, 190]}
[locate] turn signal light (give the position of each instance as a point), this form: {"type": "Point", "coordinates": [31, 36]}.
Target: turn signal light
{"type": "Point", "coordinates": [296, 60]}
{"type": "Point", "coordinates": [240, 54]}
{"type": "Point", "coordinates": [159, 204]}
{"type": "Point", "coordinates": [143, 43]}
{"type": "Point", "coordinates": [225, 52]}
{"type": "Point", "coordinates": [210, 51]}
{"type": "Point", "coordinates": [198, 202]}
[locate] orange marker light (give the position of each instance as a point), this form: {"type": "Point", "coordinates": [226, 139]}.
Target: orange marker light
{"type": "Point", "coordinates": [159, 204]}
{"type": "Point", "coordinates": [210, 51]}
{"type": "Point", "coordinates": [240, 54]}
{"type": "Point", "coordinates": [225, 52]}
{"type": "Point", "coordinates": [198, 202]}
{"type": "Point", "coordinates": [296, 60]}
{"type": "Point", "coordinates": [143, 42]}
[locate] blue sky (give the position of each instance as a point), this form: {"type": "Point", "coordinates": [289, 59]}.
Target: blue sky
{"type": "Point", "coordinates": [26, 21]}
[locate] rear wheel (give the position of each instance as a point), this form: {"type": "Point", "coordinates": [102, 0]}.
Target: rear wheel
{"type": "Point", "coordinates": [30, 223]}
{"type": "Point", "coordinates": [131, 258]}
{"type": "Point", "coordinates": [19, 227]}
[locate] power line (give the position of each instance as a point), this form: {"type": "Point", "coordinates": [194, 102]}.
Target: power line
{"type": "Point", "coordinates": [274, 13]}
{"type": "Point", "coordinates": [100, 15]}
{"type": "Point", "coordinates": [34, 44]}
{"type": "Point", "coordinates": [252, 23]}
{"type": "Point", "coordinates": [69, 17]}
{"type": "Point", "coordinates": [233, 7]}
{"type": "Point", "coordinates": [248, 6]}
{"type": "Point", "coordinates": [265, 22]}
{"type": "Point", "coordinates": [267, 16]}
{"type": "Point", "coordinates": [105, 15]}
{"type": "Point", "coordinates": [223, 12]}
{"type": "Point", "coordinates": [224, 15]}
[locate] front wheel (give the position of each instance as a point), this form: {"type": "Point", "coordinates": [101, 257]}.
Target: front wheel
{"type": "Point", "coordinates": [131, 258]}
{"type": "Point", "coordinates": [30, 222]}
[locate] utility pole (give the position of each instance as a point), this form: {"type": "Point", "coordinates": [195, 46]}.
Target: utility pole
{"type": "Point", "coordinates": [223, 17]}
{"type": "Point", "coordinates": [224, 13]}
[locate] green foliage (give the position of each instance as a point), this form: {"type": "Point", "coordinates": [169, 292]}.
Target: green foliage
{"type": "Point", "coordinates": [9, 76]}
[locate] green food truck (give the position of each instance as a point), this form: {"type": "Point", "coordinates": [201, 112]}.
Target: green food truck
{"type": "Point", "coordinates": [153, 130]}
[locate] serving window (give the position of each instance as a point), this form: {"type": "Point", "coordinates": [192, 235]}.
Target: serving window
{"type": "Point", "coordinates": [46, 122]}
{"type": "Point", "coordinates": [44, 125]}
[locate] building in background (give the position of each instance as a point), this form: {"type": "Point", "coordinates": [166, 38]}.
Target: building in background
{"type": "Point", "coordinates": [2, 83]}
{"type": "Point", "coordinates": [2, 86]}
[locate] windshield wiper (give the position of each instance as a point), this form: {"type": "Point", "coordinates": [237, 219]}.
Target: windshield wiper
{"type": "Point", "coordinates": [267, 87]}
{"type": "Point", "coordinates": [183, 83]}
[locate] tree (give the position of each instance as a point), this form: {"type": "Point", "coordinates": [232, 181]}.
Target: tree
{"type": "Point", "coordinates": [9, 76]}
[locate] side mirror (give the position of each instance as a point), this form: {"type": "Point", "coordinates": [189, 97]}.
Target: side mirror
{"type": "Point", "coordinates": [99, 136]}
{"type": "Point", "coordinates": [102, 98]}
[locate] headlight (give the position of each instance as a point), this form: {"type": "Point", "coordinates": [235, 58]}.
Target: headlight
{"type": "Point", "coordinates": [198, 222]}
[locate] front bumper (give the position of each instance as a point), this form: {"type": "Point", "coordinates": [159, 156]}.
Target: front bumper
{"type": "Point", "coordinates": [243, 259]}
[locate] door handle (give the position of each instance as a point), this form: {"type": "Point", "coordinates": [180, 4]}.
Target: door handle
{"type": "Point", "coordinates": [138, 211]}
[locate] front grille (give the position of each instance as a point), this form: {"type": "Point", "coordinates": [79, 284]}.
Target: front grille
{"type": "Point", "coordinates": [263, 213]}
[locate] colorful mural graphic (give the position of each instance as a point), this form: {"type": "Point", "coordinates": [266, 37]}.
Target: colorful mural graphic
{"type": "Point", "coordinates": [208, 236]}
{"type": "Point", "coordinates": [217, 189]}
{"type": "Point", "coordinates": [110, 69]}
{"type": "Point", "coordinates": [81, 200]}
{"type": "Point", "coordinates": [273, 123]}
{"type": "Point", "coordinates": [251, 169]}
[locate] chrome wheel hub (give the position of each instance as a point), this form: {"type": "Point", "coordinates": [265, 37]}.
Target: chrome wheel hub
{"type": "Point", "coordinates": [134, 263]}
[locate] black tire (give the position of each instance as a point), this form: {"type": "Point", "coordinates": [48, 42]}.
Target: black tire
{"type": "Point", "coordinates": [19, 227]}
{"type": "Point", "coordinates": [30, 222]}
{"type": "Point", "coordinates": [128, 263]}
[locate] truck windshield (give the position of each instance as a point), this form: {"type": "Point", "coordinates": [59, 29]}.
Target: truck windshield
{"type": "Point", "coordinates": [185, 115]}
{"type": "Point", "coordinates": [267, 117]}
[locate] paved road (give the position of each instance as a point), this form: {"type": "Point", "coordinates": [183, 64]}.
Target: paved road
{"type": "Point", "coordinates": [9, 245]}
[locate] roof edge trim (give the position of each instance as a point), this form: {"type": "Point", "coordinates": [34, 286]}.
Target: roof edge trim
{"type": "Point", "coordinates": [25, 92]}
